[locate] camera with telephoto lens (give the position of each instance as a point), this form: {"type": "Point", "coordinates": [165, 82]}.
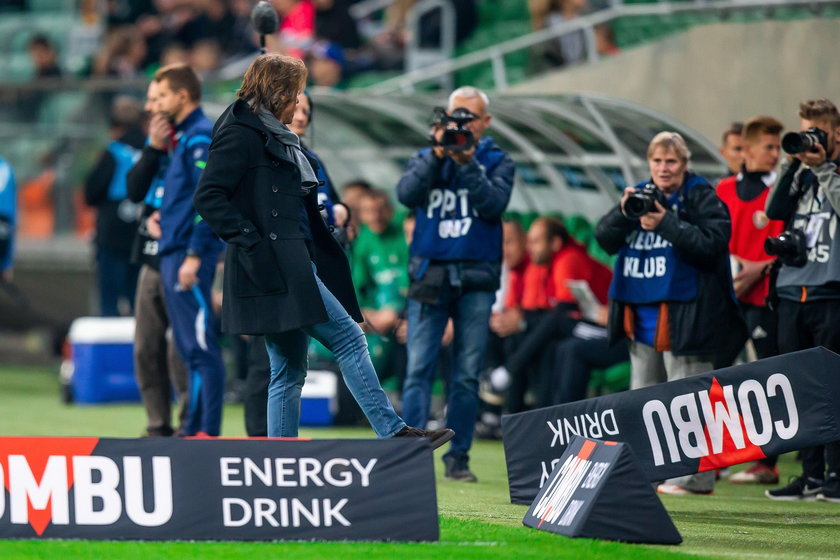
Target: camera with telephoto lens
{"type": "Point", "coordinates": [807, 141]}
{"type": "Point", "coordinates": [789, 246]}
{"type": "Point", "coordinates": [456, 136]}
{"type": "Point", "coordinates": [643, 201]}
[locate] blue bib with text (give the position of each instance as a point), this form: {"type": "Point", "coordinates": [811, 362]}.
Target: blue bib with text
{"type": "Point", "coordinates": [649, 269]}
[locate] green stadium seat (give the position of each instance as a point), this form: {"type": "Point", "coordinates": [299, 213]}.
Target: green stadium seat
{"type": "Point", "coordinates": [610, 380]}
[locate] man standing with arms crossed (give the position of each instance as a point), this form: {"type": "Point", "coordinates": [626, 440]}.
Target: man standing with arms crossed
{"type": "Point", "coordinates": [188, 248]}
{"type": "Point", "coordinates": [458, 197]}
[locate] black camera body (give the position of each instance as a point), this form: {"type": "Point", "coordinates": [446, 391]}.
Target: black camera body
{"type": "Point", "coordinates": [641, 202]}
{"type": "Point", "coordinates": [456, 136]}
{"type": "Point", "coordinates": [789, 246]}
{"type": "Point", "coordinates": [806, 141]}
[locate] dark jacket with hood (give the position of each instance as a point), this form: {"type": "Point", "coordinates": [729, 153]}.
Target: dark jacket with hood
{"type": "Point", "coordinates": [250, 195]}
{"type": "Point", "coordinates": [711, 323]}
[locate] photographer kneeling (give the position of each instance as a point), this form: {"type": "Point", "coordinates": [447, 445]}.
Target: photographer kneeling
{"type": "Point", "coordinates": [807, 198]}
{"type": "Point", "coordinates": [672, 291]}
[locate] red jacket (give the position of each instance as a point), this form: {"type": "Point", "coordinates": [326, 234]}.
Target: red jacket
{"type": "Point", "coordinates": [750, 227]}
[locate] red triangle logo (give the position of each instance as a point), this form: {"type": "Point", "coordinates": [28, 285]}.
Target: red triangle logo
{"type": "Point", "coordinates": [730, 454]}
{"type": "Point", "coordinates": [37, 452]}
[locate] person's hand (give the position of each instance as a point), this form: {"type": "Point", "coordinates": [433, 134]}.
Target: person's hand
{"type": "Point", "coordinates": [437, 132]}
{"type": "Point", "coordinates": [188, 272]}
{"type": "Point", "coordinates": [448, 333]}
{"type": "Point", "coordinates": [159, 132]}
{"type": "Point", "coordinates": [461, 157]}
{"type": "Point", "coordinates": [603, 315]}
{"type": "Point", "coordinates": [625, 195]}
{"type": "Point", "coordinates": [651, 220]}
{"type": "Point", "coordinates": [401, 332]}
{"type": "Point", "coordinates": [506, 322]}
{"type": "Point", "coordinates": [813, 159]}
{"type": "Point", "coordinates": [153, 225]}
{"type": "Point", "coordinates": [382, 321]}
{"type": "Point", "coordinates": [751, 272]}
{"type": "Point", "coordinates": [340, 215]}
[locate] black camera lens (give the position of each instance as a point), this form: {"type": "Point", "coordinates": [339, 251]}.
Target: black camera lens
{"type": "Point", "coordinates": [637, 205]}
{"type": "Point", "coordinates": [794, 142]}
{"type": "Point", "coordinates": [807, 141]}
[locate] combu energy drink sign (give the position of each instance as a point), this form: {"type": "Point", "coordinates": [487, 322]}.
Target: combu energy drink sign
{"type": "Point", "coordinates": [720, 418]}
{"type": "Point", "coordinates": [161, 489]}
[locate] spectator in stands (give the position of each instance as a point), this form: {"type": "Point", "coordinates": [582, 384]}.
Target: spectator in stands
{"type": "Point", "coordinates": [296, 30]}
{"type": "Point", "coordinates": [116, 217]}
{"type": "Point", "coordinates": [281, 255]}
{"type": "Point", "coordinates": [205, 58]}
{"type": "Point", "coordinates": [8, 221]}
{"type": "Point", "coordinates": [44, 57]}
{"type": "Point", "coordinates": [671, 294]}
{"type": "Point", "coordinates": [351, 195]}
{"type": "Point", "coordinates": [122, 55]}
{"type": "Point", "coordinates": [380, 273]}
{"type": "Point", "coordinates": [158, 366]}
{"type": "Point", "coordinates": [188, 248]}
{"type": "Point", "coordinates": [546, 311]}
{"type": "Point", "coordinates": [325, 61]}
{"type": "Point", "coordinates": [334, 23]}
{"type": "Point", "coordinates": [457, 198]}
{"type": "Point", "coordinates": [745, 195]}
{"type": "Point", "coordinates": [569, 48]}
{"type": "Point", "coordinates": [731, 148]}
{"type": "Point", "coordinates": [228, 29]}
{"type": "Point", "coordinates": [807, 198]}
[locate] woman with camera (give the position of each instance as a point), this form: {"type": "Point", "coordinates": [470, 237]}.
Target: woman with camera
{"type": "Point", "coordinates": [671, 294]}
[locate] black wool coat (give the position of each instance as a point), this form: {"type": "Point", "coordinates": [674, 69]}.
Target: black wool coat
{"type": "Point", "coordinates": [250, 194]}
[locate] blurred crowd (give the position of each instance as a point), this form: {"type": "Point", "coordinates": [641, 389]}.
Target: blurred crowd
{"type": "Point", "coordinates": [217, 39]}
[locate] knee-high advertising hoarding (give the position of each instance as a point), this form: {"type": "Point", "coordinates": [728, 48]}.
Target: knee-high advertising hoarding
{"type": "Point", "coordinates": [707, 421]}
{"type": "Point", "coordinates": [164, 488]}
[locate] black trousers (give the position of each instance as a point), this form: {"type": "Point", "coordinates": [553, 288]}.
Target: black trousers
{"type": "Point", "coordinates": [763, 328]}
{"type": "Point", "coordinates": [803, 326]}
{"type": "Point", "coordinates": [255, 389]}
{"type": "Point", "coordinates": [574, 360]}
{"type": "Point", "coordinates": [530, 356]}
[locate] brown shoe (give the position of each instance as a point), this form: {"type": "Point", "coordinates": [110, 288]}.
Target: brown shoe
{"type": "Point", "coordinates": [436, 437]}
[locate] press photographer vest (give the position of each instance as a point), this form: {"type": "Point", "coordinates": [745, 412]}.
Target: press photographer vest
{"type": "Point", "coordinates": [817, 219]}
{"type": "Point", "coordinates": [447, 227]}
{"type": "Point", "coordinates": [648, 268]}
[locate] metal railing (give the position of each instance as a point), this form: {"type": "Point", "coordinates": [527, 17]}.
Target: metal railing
{"type": "Point", "coordinates": [495, 54]}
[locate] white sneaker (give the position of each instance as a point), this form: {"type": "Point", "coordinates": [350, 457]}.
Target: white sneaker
{"type": "Point", "coordinates": [500, 378]}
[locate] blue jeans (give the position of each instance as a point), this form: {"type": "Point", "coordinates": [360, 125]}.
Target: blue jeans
{"type": "Point", "coordinates": [470, 313]}
{"type": "Point", "coordinates": [287, 353]}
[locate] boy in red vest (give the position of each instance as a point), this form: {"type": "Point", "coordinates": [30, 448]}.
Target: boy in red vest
{"type": "Point", "coordinates": [745, 194]}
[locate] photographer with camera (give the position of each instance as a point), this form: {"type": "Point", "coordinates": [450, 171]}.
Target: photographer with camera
{"type": "Point", "coordinates": [807, 198]}
{"type": "Point", "coordinates": [671, 294]}
{"type": "Point", "coordinates": [458, 190]}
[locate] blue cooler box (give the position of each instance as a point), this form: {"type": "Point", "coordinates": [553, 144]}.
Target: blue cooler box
{"type": "Point", "coordinates": [103, 362]}
{"type": "Point", "coordinates": [319, 398]}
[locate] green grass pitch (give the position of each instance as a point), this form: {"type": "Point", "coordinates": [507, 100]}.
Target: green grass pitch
{"type": "Point", "coordinates": [477, 520]}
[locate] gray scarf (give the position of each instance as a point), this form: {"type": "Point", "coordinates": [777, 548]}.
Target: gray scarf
{"type": "Point", "coordinates": [291, 142]}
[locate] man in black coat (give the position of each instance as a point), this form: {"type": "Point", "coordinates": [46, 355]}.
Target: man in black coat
{"type": "Point", "coordinates": [285, 275]}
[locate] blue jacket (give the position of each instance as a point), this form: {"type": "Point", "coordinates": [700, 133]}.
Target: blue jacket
{"type": "Point", "coordinates": [458, 207]}
{"type": "Point", "coordinates": [8, 214]}
{"type": "Point", "coordinates": [182, 227]}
